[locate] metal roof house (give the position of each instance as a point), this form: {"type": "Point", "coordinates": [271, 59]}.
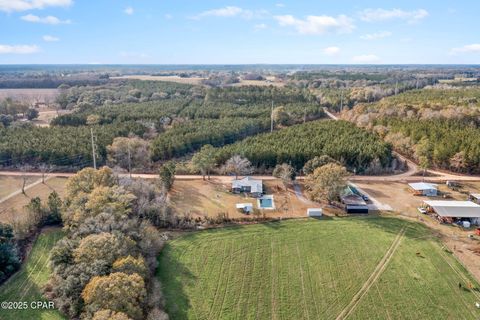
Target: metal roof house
{"type": "Point", "coordinates": [455, 209]}
{"type": "Point", "coordinates": [248, 185]}
{"type": "Point", "coordinates": [424, 189]}
{"type": "Point", "coordinates": [354, 203]}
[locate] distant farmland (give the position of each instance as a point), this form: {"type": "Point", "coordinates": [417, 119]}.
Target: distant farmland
{"type": "Point", "coordinates": [30, 95]}
{"type": "Point", "coordinates": [355, 268]}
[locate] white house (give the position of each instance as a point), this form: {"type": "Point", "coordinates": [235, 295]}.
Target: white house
{"type": "Point", "coordinates": [248, 185]}
{"type": "Point", "coordinates": [455, 209]}
{"type": "Point", "coordinates": [424, 189]}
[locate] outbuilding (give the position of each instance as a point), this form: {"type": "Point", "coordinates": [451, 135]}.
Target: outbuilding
{"type": "Point", "coordinates": [354, 204]}
{"type": "Point", "coordinates": [314, 212]}
{"type": "Point", "coordinates": [424, 189]}
{"type": "Point", "coordinates": [245, 207]}
{"type": "Point", "coordinates": [455, 210]}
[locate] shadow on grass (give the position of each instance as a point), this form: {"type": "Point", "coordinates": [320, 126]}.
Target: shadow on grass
{"type": "Point", "coordinates": [174, 277]}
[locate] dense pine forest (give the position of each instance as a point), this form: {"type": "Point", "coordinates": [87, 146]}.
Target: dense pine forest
{"type": "Point", "coordinates": [174, 119]}
{"type": "Point", "coordinates": [343, 141]}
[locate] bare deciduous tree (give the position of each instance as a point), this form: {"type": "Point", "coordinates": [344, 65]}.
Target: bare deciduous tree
{"type": "Point", "coordinates": [238, 166]}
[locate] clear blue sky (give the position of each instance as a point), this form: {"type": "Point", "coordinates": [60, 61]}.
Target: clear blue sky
{"type": "Point", "coordinates": [239, 32]}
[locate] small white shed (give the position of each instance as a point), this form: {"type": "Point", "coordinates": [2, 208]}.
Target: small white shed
{"type": "Point", "coordinates": [245, 207]}
{"type": "Point", "coordinates": [314, 212]}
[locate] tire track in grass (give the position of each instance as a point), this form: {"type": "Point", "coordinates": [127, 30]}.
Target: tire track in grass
{"type": "Point", "coordinates": [252, 256]}
{"type": "Point", "coordinates": [304, 294]}
{"type": "Point", "coordinates": [273, 282]}
{"type": "Point", "coordinates": [238, 308]}
{"type": "Point", "coordinates": [43, 266]}
{"type": "Point", "coordinates": [219, 280]}
{"type": "Point", "coordinates": [373, 277]}
{"type": "Point", "coordinates": [458, 272]}
{"type": "Point", "coordinates": [310, 284]}
{"type": "Point", "coordinates": [26, 284]}
{"type": "Point", "coordinates": [225, 291]}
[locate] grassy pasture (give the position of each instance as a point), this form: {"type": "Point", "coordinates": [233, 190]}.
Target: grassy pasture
{"type": "Point", "coordinates": [26, 284]}
{"type": "Point", "coordinates": [313, 269]}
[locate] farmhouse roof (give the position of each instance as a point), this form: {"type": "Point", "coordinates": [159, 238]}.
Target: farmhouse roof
{"type": "Point", "coordinates": [353, 200]}
{"type": "Point", "coordinates": [455, 209]}
{"type": "Point", "coordinates": [254, 184]}
{"type": "Point", "coordinates": [423, 186]}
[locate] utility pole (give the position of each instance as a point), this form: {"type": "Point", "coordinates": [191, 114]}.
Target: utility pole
{"type": "Point", "coordinates": [129, 161]}
{"type": "Point", "coordinates": [341, 100]}
{"type": "Point", "coordinates": [93, 150]}
{"type": "Point", "coordinates": [271, 119]}
{"type": "Point", "coordinates": [305, 114]}
{"type": "Point", "coordinates": [396, 87]}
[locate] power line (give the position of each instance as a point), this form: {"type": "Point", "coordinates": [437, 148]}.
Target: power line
{"type": "Point", "coordinates": [93, 150]}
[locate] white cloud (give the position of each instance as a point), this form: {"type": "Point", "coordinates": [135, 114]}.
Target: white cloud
{"type": "Point", "coordinates": [168, 16]}
{"type": "Point", "coordinates": [23, 5]}
{"type": "Point", "coordinates": [373, 15]}
{"type": "Point", "coordinates": [49, 38]}
{"type": "Point", "coordinates": [376, 35]}
{"type": "Point", "coordinates": [318, 24]}
{"type": "Point", "coordinates": [260, 26]}
{"type": "Point", "coordinates": [470, 48]}
{"type": "Point", "coordinates": [331, 51]}
{"type": "Point", "coordinates": [366, 58]}
{"type": "Point", "coordinates": [128, 10]}
{"type": "Point", "coordinates": [231, 11]}
{"type": "Point", "coordinates": [221, 12]}
{"type": "Point", "coordinates": [18, 49]}
{"type": "Point", "coordinates": [46, 20]}
{"type": "Point", "coordinates": [280, 5]}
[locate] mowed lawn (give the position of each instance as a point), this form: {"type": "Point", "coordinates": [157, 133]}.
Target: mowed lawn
{"type": "Point", "coordinates": [313, 269]}
{"type": "Point", "coordinates": [26, 284]}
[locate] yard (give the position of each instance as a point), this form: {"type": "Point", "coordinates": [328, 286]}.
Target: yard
{"type": "Point", "coordinates": [26, 284]}
{"type": "Point", "coordinates": [13, 208]}
{"type": "Point", "coordinates": [9, 184]}
{"type": "Point", "coordinates": [211, 198]}
{"type": "Point", "coordinates": [360, 268]}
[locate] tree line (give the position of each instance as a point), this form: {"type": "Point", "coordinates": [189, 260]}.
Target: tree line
{"type": "Point", "coordinates": [354, 147]}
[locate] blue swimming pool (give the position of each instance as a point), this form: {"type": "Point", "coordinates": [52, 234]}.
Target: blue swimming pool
{"type": "Point", "coordinates": [266, 202]}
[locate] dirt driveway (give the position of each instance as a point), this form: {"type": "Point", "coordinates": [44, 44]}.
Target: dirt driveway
{"type": "Point", "coordinates": [404, 204]}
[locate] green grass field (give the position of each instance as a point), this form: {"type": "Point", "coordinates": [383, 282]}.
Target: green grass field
{"type": "Point", "coordinates": [26, 284]}
{"type": "Point", "coordinates": [355, 268]}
